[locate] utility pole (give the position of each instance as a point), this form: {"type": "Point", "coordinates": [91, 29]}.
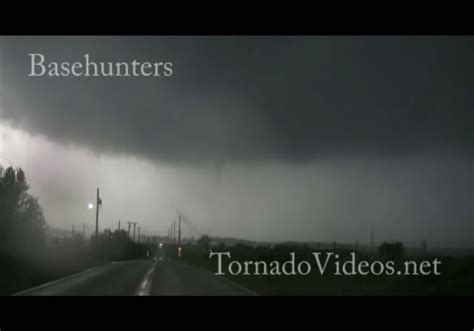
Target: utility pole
{"type": "Point", "coordinates": [119, 226]}
{"type": "Point", "coordinates": [179, 230]}
{"type": "Point", "coordinates": [84, 230]}
{"type": "Point", "coordinates": [139, 234]}
{"type": "Point", "coordinates": [423, 246]}
{"type": "Point", "coordinates": [98, 203]}
{"type": "Point", "coordinates": [73, 230]}
{"type": "Point", "coordinates": [134, 226]}
{"type": "Point", "coordinates": [174, 232]}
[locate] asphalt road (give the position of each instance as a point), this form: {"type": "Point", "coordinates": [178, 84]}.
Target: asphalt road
{"type": "Point", "coordinates": [141, 277]}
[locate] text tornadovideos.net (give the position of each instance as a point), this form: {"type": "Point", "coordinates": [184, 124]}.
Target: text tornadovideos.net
{"type": "Point", "coordinates": [324, 263]}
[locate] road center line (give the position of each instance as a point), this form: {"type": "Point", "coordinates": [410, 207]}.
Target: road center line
{"type": "Point", "coordinates": [145, 284]}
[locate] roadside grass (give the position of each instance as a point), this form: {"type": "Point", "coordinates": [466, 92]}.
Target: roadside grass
{"type": "Point", "coordinates": [22, 273]}
{"type": "Point", "coordinates": [457, 275]}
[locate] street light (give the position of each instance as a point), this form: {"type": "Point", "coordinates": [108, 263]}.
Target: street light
{"type": "Point", "coordinates": [90, 205]}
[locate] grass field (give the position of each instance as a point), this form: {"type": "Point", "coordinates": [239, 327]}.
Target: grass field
{"type": "Point", "coordinates": [456, 278]}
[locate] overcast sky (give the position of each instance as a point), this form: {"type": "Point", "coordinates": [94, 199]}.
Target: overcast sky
{"type": "Point", "coordinates": [265, 138]}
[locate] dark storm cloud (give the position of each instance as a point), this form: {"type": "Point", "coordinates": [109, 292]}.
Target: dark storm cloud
{"type": "Point", "coordinates": [249, 98]}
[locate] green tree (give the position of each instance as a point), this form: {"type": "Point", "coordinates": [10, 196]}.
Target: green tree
{"type": "Point", "coordinates": [22, 222]}
{"type": "Point", "coordinates": [204, 242]}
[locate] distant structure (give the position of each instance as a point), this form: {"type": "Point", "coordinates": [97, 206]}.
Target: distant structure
{"type": "Point", "coordinates": [423, 246]}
